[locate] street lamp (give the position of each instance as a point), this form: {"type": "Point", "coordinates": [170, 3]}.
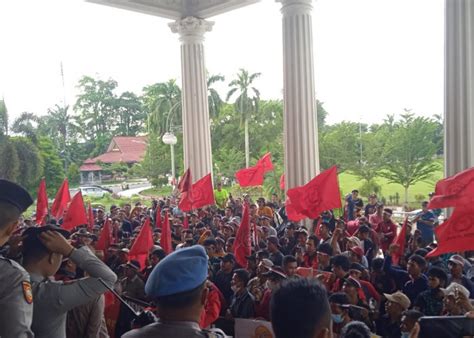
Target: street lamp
{"type": "Point", "coordinates": [170, 139]}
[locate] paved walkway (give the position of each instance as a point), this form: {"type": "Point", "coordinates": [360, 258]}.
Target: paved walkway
{"type": "Point", "coordinates": [134, 191]}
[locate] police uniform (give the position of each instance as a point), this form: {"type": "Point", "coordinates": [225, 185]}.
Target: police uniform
{"type": "Point", "coordinates": [53, 299]}
{"type": "Point", "coordinates": [181, 271]}
{"type": "Point", "coordinates": [16, 299]}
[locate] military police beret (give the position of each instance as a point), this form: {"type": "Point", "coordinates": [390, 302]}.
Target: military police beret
{"type": "Point", "coordinates": [181, 271]}
{"type": "Point", "coordinates": [15, 195]}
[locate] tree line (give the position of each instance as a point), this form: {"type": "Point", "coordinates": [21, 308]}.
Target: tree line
{"type": "Point", "coordinates": [243, 127]}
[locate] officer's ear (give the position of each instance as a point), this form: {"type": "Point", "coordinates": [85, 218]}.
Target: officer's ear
{"type": "Point", "coordinates": [205, 293]}
{"type": "Point", "coordinates": [11, 228]}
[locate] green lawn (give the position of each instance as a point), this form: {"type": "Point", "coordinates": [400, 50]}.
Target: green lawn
{"type": "Point", "coordinates": [348, 182]}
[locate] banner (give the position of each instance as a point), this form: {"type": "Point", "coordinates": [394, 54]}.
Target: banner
{"type": "Point", "coordinates": [250, 328]}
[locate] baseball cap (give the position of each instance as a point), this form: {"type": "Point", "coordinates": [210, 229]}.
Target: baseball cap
{"type": "Point", "coordinates": [453, 287]}
{"type": "Point", "coordinates": [399, 298]}
{"type": "Point", "coordinates": [358, 251]}
{"type": "Point", "coordinates": [457, 259]}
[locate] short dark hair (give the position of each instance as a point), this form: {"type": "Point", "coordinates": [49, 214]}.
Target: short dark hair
{"type": "Point", "coordinates": [413, 314]}
{"type": "Point", "coordinates": [439, 273]}
{"type": "Point", "coordinates": [377, 264]}
{"type": "Point", "coordinates": [339, 298]}
{"type": "Point", "coordinates": [288, 259]}
{"type": "Point", "coordinates": [355, 329]}
{"type": "Point", "coordinates": [298, 308]}
{"type": "Point", "coordinates": [341, 261]}
{"type": "Point", "coordinates": [364, 229]}
{"type": "Point", "coordinates": [180, 300]}
{"type": "Point", "coordinates": [418, 260]}
{"type": "Point", "coordinates": [8, 214]}
{"type": "Point", "coordinates": [315, 239]}
{"type": "Point", "coordinates": [325, 248]}
{"type": "Point", "coordinates": [160, 253]}
{"type": "Point", "coordinates": [243, 275]}
{"type": "Point", "coordinates": [355, 190]}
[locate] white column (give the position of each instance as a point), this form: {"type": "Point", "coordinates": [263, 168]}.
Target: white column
{"type": "Point", "coordinates": [459, 86]}
{"type": "Point", "coordinates": [195, 108]}
{"type": "Point", "coordinates": [300, 122]}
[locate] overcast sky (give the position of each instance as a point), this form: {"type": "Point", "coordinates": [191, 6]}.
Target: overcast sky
{"type": "Point", "coordinates": [372, 57]}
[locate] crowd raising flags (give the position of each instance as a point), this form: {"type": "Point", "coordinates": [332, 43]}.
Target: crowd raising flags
{"type": "Point", "coordinates": [254, 176]}
{"type": "Point", "coordinates": [197, 195]}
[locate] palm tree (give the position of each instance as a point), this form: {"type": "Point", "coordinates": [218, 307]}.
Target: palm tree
{"type": "Point", "coordinates": [27, 125]}
{"type": "Point", "coordinates": [163, 102]}
{"type": "Point", "coordinates": [57, 123]}
{"type": "Point", "coordinates": [246, 102]}
{"type": "Point", "coordinates": [215, 101]}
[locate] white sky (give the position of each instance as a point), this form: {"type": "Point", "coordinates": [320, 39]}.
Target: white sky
{"type": "Point", "coordinates": [372, 57]}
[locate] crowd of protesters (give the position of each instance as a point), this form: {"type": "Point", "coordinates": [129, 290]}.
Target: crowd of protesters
{"type": "Point", "coordinates": [347, 258]}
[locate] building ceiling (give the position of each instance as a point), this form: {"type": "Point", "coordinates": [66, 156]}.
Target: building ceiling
{"type": "Point", "coordinates": [178, 9]}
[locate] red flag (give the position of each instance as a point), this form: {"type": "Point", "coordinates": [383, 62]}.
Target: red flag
{"type": "Point", "coordinates": [203, 192]}
{"type": "Point", "coordinates": [185, 183]}
{"type": "Point", "coordinates": [200, 195]}
{"type": "Point", "coordinates": [282, 182]}
{"type": "Point", "coordinates": [400, 241]}
{"type": "Point", "coordinates": [158, 217]}
{"type": "Point", "coordinates": [165, 240]}
{"type": "Point", "coordinates": [142, 245]}
{"type": "Point", "coordinates": [105, 238]}
{"type": "Point", "coordinates": [76, 213]}
{"type": "Point", "coordinates": [455, 234]}
{"type": "Point", "coordinates": [456, 190]}
{"type": "Point", "coordinates": [266, 162]}
{"type": "Point", "coordinates": [63, 197]}
{"type": "Point", "coordinates": [319, 194]}
{"type": "Point", "coordinates": [185, 222]}
{"type": "Point", "coordinates": [254, 176]}
{"type": "Point", "coordinates": [91, 222]}
{"type": "Point", "coordinates": [42, 203]}
{"type": "Point", "coordinates": [291, 211]}
{"type": "Point", "coordinates": [242, 246]}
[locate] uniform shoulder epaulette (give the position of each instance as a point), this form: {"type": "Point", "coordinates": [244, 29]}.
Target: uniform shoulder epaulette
{"type": "Point", "coordinates": [12, 263]}
{"type": "Point", "coordinates": [214, 333]}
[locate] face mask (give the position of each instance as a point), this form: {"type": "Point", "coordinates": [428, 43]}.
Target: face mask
{"type": "Point", "coordinates": [405, 334]}
{"type": "Point", "coordinates": [337, 318]}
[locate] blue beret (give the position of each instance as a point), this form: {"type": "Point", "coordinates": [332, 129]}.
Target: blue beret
{"type": "Point", "coordinates": [181, 271]}
{"type": "Point", "coordinates": [15, 195]}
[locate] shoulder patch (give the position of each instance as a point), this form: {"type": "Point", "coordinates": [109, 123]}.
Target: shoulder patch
{"type": "Point", "coordinates": [27, 293]}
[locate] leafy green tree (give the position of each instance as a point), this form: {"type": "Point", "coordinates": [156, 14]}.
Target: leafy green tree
{"type": "Point", "coordinates": [215, 101]}
{"type": "Point", "coordinates": [9, 161]}
{"type": "Point", "coordinates": [30, 161]}
{"type": "Point", "coordinates": [3, 118]}
{"type": "Point", "coordinates": [96, 108]}
{"type": "Point", "coordinates": [163, 105]}
{"type": "Point", "coordinates": [339, 145]}
{"type": "Point", "coordinates": [53, 167]}
{"type": "Point", "coordinates": [73, 174]}
{"type": "Point", "coordinates": [246, 102]}
{"type": "Point", "coordinates": [131, 115]}
{"type": "Point", "coordinates": [409, 152]}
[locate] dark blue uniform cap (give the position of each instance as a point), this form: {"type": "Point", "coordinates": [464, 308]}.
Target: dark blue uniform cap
{"type": "Point", "coordinates": [180, 271]}
{"type": "Point", "coordinates": [15, 195]}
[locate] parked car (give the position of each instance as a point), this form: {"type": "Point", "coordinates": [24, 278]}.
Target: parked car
{"type": "Point", "coordinates": [93, 191]}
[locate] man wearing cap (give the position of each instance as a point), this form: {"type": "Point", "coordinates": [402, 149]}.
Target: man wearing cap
{"type": "Point", "coordinates": [275, 277]}
{"type": "Point", "coordinates": [179, 304]}
{"type": "Point", "coordinates": [16, 298]}
{"type": "Point", "coordinates": [389, 324]}
{"type": "Point", "coordinates": [274, 249]}
{"type": "Point", "coordinates": [371, 207]}
{"type": "Point", "coordinates": [223, 277]}
{"type": "Point", "coordinates": [456, 266]}
{"type": "Point", "coordinates": [456, 300]}
{"type": "Point", "coordinates": [43, 251]}
{"type": "Point", "coordinates": [132, 284]}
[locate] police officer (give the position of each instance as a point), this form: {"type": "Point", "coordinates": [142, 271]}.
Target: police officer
{"type": "Point", "coordinates": [16, 299]}
{"type": "Point", "coordinates": [178, 286]}
{"type": "Point", "coordinates": [43, 251]}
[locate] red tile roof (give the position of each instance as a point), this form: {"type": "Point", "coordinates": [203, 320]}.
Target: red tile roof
{"type": "Point", "coordinates": [90, 167]}
{"type": "Point", "coordinates": [127, 149]}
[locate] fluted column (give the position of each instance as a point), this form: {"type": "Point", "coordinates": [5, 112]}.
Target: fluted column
{"type": "Point", "coordinates": [459, 86]}
{"type": "Point", "coordinates": [195, 108]}
{"type": "Point", "coordinates": [300, 122]}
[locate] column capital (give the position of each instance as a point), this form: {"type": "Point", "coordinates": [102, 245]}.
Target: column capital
{"type": "Point", "coordinates": [191, 29]}
{"type": "Point", "coordinates": [294, 7]}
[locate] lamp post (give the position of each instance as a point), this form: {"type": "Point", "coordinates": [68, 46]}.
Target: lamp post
{"type": "Point", "coordinates": [170, 139]}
